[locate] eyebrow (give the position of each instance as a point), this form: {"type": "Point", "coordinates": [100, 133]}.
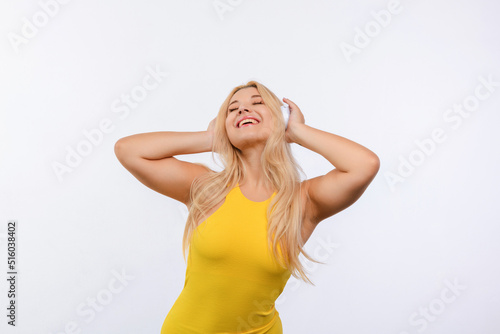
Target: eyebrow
{"type": "Point", "coordinates": [238, 101]}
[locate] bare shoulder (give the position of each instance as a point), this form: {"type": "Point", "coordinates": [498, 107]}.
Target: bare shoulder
{"type": "Point", "coordinates": [328, 194]}
{"type": "Point", "coordinates": [198, 170]}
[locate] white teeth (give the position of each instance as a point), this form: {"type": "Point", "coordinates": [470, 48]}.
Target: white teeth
{"type": "Point", "coordinates": [248, 120]}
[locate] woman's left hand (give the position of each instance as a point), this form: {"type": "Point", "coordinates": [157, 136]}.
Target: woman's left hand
{"type": "Point", "coordinates": [296, 117]}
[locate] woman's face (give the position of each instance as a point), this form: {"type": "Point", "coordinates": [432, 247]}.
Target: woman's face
{"type": "Point", "coordinates": [247, 103]}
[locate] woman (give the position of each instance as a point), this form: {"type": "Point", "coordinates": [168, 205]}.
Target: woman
{"type": "Point", "coordinates": [248, 223]}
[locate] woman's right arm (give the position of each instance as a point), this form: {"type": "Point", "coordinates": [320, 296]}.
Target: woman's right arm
{"type": "Point", "coordinates": [150, 158]}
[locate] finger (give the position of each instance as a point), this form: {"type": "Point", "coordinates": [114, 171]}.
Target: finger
{"type": "Point", "coordinates": [289, 102]}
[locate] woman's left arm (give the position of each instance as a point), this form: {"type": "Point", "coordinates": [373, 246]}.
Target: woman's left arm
{"type": "Point", "coordinates": [355, 167]}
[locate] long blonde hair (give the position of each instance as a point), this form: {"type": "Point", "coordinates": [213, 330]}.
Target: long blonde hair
{"type": "Point", "coordinates": [281, 170]}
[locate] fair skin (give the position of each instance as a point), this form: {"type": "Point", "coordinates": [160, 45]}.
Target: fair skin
{"type": "Point", "coordinates": [250, 139]}
{"type": "Point", "coordinates": [150, 158]}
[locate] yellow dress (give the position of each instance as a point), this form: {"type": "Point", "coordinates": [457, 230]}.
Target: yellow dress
{"type": "Point", "coordinates": [232, 281]}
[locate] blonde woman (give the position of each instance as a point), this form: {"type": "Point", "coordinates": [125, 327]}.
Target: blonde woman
{"type": "Point", "coordinates": [248, 223]}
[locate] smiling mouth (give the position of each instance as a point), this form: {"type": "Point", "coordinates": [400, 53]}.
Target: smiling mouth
{"type": "Point", "coordinates": [247, 124]}
{"type": "Point", "coordinates": [248, 121]}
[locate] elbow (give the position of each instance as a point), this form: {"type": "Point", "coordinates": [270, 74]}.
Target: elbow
{"type": "Point", "coordinates": [374, 164]}
{"type": "Point", "coordinates": [370, 168]}
{"type": "Point", "coordinates": [120, 149]}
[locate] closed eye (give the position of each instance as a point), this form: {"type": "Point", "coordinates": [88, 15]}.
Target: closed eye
{"type": "Point", "coordinates": [253, 103]}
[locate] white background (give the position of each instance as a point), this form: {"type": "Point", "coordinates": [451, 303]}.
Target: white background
{"type": "Point", "coordinates": [390, 257]}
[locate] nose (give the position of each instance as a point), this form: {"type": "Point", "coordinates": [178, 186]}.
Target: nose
{"type": "Point", "coordinates": [242, 107]}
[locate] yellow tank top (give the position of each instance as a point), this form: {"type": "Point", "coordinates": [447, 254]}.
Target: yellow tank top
{"type": "Point", "coordinates": [232, 280]}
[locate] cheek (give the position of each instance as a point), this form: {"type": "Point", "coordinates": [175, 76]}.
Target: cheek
{"type": "Point", "coordinates": [270, 121]}
{"type": "Point", "coordinates": [229, 129]}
